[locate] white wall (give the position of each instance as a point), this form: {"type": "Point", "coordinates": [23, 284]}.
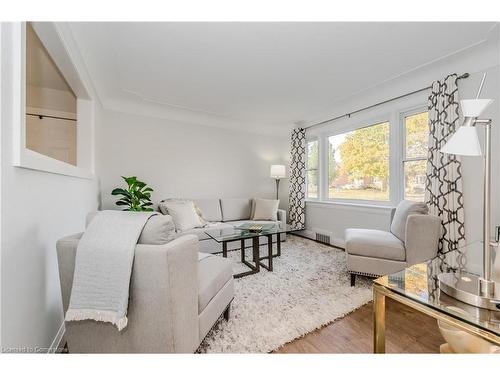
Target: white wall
{"type": "Point", "coordinates": [37, 209]}
{"type": "Point", "coordinates": [334, 219]}
{"type": "Point", "coordinates": [182, 160]}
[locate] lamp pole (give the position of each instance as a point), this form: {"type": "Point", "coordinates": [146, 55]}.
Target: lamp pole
{"type": "Point", "coordinates": [486, 285]}
{"type": "Point", "coordinates": [277, 188]}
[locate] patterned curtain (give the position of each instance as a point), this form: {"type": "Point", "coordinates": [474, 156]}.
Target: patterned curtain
{"type": "Point", "coordinates": [443, 191]}
{"type": "Point", "coordinates": [297, 209]}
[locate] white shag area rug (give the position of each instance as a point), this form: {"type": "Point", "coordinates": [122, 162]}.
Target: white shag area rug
{"type": "Point", "coordinates": [309, 288]}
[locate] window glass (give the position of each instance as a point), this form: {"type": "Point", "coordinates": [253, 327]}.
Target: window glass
{"type": "Point", "coordinates": [312, 169]}
{"type": "Point", "coordinates": [358, 164]}
{"type": "Point", "coordinates": [415, 164]}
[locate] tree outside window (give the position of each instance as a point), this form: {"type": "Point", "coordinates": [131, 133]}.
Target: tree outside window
{"type": "Point", "coordinates": [312, 169]}
{"type": "Point", "coordinates": [359, 164]}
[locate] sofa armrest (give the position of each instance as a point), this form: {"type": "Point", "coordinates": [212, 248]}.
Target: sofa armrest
{"type": "Point", "coordinates": [164, 291]}
{"type": "Point", "coordinates": [422, 238]}
{"type": "Point", "coordinates": [282, 216]}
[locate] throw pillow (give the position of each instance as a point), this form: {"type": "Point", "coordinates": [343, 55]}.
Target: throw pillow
{"type": "Point", "coordinates": [159, 229]}
{"type": "Point", "coordinates": [404, 209]}
{"type": "Point", "coordinates": [265, 209]}
{"type": "Point", "coordinates": [164, 209]}
{"type": "Point", "coordinates": [183, 213]}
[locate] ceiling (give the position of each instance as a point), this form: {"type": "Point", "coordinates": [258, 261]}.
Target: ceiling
{"type": "Point", "coordinates": [255, 76]}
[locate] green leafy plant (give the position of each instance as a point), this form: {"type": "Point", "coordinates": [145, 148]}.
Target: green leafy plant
{"type": "Point", "coordinates": [136, 198]}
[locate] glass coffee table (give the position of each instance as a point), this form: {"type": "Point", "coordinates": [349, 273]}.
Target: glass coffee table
{"type": "Point", "coordinates": [226, 235]}
{"type": "Point", "coordinates": [418, 288]}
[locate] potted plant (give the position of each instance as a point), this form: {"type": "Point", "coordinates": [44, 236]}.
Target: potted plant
{"type": "Point", "coordinates": [137, 197]}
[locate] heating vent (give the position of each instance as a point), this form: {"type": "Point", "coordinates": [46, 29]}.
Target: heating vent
{"type": "Point", "coordinates": [324, 238]}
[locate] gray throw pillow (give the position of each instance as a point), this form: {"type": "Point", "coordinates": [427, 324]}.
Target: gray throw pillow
{"type": "Point", "coordinates": [404, 209]}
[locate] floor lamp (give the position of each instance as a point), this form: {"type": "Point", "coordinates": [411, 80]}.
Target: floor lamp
{"type": "Point", "coordinates": [478, 291]}
{"type": "Point", "coordinates": [278, 172]}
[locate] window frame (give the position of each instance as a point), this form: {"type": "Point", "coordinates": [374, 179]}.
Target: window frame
{"type": "Point", "coordinates": [51, 37]}
{"type": "Point", "coordinates": [309, 140]}
{"type": "Point", "coordinates": [370, 121]}
{"type": "Point", "coordinates": [403, 159]}
{"type": "Point", "coordinates": [394, 113]}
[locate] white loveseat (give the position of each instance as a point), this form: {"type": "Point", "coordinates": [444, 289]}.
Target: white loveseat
{"type": "Point", "coordinates": [227, 213]}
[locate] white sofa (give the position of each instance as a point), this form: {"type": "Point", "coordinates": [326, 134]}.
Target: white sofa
{"type": "Point", "coordinates": [227, 213]}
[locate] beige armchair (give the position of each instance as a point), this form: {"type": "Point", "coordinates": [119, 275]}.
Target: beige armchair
{"type": "Point", "coordinates": [413, 238]}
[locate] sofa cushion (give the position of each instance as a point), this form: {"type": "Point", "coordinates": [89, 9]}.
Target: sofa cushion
{"type": "Point", "coordinates": [235, 209]}
{"type": "Point", "coordinates": [404, 209]}
{"type": "Point", "coordinates": [200, 232]}
{"type": "Point", "coordinates": [265, 209]}
{"type": "Point", "coordinates": [159, 229]}
{"type": "Point", "coordinates": [210, 209]}
{"type": "Point", "coordinates": [374, 244]}
{"type": "Point", "coordinates": [213, 273]}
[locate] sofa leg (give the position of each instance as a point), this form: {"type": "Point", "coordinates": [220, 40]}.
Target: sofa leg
{"type": "Point", "coordinates": [227, 312]}
{"type": "Point", "coordinates": [353, 279]}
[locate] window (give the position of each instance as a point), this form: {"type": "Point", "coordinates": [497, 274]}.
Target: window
{"type": "Point", "coordinates": [358, 164]}
{"type": "Point", "coordinates": [312, 169]}
{"type": "Point", "coordinates": [416, 133]}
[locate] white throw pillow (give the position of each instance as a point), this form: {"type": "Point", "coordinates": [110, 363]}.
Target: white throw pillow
{"type": "Point", "coordinates": [184, 215]}
{"type": "Point", "coordinates": [164, 210]}
{"type": "Point", "coordinates": [265, 209]}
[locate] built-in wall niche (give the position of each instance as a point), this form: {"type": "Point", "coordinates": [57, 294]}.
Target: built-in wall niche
{"type": "Point", "coordinates": [52, 102]}
{"type": "Point", "coordinates": [51, 118]}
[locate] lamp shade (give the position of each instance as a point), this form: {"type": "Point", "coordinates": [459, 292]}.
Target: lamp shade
{"type": "Point", "coordinates": [464, 142]}
{"type": "Point", "coordinates": [278, 171]}
{"type": "Point", "coordinates": [474, 107]}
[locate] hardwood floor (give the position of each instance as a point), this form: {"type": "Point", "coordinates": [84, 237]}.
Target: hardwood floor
{"type": "Point", "coordinates": [407, 331]}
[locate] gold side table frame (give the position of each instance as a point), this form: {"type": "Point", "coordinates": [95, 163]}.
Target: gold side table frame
{"type": "Point", "coordinates": [380, 293]}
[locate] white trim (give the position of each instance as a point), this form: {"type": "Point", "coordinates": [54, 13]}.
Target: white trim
{"type": "Point", "coordinates": [349, 206]}
{"type": "Point", "coordinates": [55, 347]}
{"type": "Point", "coordinates": [58, 49]}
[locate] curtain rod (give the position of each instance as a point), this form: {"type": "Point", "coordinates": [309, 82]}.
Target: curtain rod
{"type": "Point", "coordinates": [465, 75]}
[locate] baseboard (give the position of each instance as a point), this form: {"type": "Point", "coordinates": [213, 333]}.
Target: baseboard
{"type": "Point", "coordinates": [311, 234]}
{"type": "Point", "coordinates": [56, 346]}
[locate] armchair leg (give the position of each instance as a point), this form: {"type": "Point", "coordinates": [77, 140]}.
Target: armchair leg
{"type": "Point", "coordinates": [353, 279]}
{"type": "Point", "coordinates": [227, 312]}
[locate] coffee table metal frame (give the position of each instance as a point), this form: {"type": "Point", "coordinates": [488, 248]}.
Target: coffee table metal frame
{"type": "Point", "coordinates": [257, 260]}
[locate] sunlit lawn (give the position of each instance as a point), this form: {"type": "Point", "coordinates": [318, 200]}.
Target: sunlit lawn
{"type": "Point", "coordinates": [366, 194]}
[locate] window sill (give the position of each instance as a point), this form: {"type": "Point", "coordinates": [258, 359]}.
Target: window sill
{"type": "Point", "coordinates": [361, 205]}
{"type": "Point", "coordinates": [35, 161]}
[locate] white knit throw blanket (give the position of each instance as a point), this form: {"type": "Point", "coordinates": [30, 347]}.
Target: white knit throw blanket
{"type": "Point", "coordinates": [103, 267]}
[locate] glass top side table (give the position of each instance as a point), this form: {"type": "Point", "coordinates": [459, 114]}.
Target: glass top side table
{"type": "Point", "coordinates": [418, 288]}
